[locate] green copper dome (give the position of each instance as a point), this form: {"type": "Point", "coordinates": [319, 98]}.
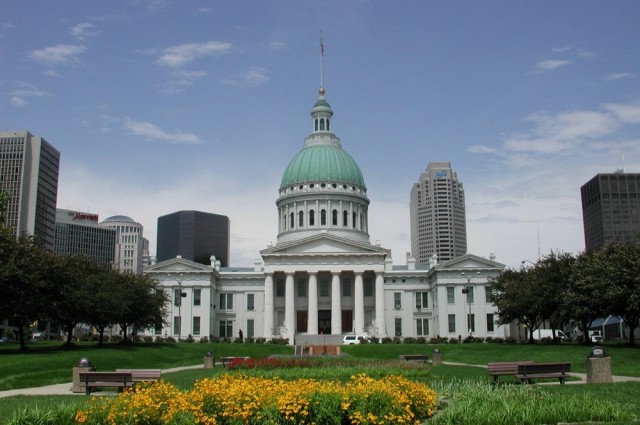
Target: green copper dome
{"type": "Point", "coordinates": [322, 163]}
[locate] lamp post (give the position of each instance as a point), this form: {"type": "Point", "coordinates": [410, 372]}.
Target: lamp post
{"type": "Point", "coordinates": [179, 280]}
{"type": "Point", "coordinates": [466, 290]}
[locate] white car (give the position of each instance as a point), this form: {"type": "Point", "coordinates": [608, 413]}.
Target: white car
{"type": "Point", "coordinates": [355, 339]}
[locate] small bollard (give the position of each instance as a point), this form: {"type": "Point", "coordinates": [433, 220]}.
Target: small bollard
{"type": "Point", "coordinates": [209, 360]}
{"type": "Point", "coordinates": [598, 366]}
{"type": "Point", "coordinates": [84, 365]}
{"type": "Point", "coordinates": [436, 359]}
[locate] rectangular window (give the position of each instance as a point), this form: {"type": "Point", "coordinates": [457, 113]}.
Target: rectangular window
{"type": "Point", "coordinates": [398, 326]}
{"type": "Point", "coordinates": [226, 329]}
{"type": "Point", "coordinates": [324, 287]}
{"type": "Point", "coordinates": [280, 288]}
{"type": "Point", "coordinates": [397, 300]}
{"type": "Point", "coordinates": [226, 301]}
{"type": "Point", "coordinates": [177, 299]}
{"type": "Point", "coordinates": [302, 287]}
{"type": "Point", "coordinates": [451, 295]}
{"type": "Point", "coordinates": [176, 325]}
{"type": "Point", "coordinates": [469, 292]}
{"type": "Point", "coordinates": [422, 327]}
{"type": "Point", "coordinates": [488, 294]}
{"type": "Point", "coordinates": [250, 302]}
{"type": "Point", "coordinates": [196, 325]}
{"type": "Point", "coordinates": [250, 328]}
{"type": "Point", "coordinates": [422, 300]}
{"type": "Point", "coordinates": [197, 296]}
{"type": "Point", "coordinates": [452, 323]}
{"type": "Point", "coordinates": [346, 287]}
{"type": "Point", "coordinates": [490, 323]}
{"type": "Point", "coordinates": [368, 287]}
{"type": "Point", "coordinates": [471, 322]}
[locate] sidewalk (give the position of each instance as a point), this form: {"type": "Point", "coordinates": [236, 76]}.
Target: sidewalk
{"type": "Point", "coordinates": [65, 389]}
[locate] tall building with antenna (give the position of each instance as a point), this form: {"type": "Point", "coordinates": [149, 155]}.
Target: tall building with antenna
{"type": "Point", "coordinates": [611, 209]}
{"type": "Point", "coordinates": [437, 214]}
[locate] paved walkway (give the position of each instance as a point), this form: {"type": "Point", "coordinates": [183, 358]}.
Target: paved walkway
{"type": "Point", "coordinates": [65, 389]}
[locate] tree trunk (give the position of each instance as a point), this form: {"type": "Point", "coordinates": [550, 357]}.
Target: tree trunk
{"type": "Point", "coordinates": [69, 327]}
{"type": "Point", "coordinates": [100, 335]}
{"type": "Point", "coordinates": [23, 344]}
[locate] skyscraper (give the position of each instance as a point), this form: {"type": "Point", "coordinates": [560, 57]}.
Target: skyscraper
{"type": "Point", "coordinates": [29, 174]}
{"type": "Point", "coordinates": [194, 235]}
{"type": "Point", "coordinates": [437, 214]}
{"type": "Point", "coordinates": [129, 254]}
{"type": "Point", "coordinates": [611, 209]}
{"type": "Point", "coordinates": [78, 233]}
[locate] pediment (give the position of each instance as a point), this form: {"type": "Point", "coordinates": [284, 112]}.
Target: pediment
{"type": "Point", "coordinates": [323, 243]}
{"type": "Point", "coordinates": [471, 262]}
{"type": "Point", "coordinates": [177, 265]}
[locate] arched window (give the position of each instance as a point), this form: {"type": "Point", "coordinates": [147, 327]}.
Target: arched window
{"type": "Point", "coordinates": [284, 221]}
{"type": "Point", "coordinates": [312, 218]}
{"type": "Point", "coordinates": [328, 129]}
{"type": "Point", "coordinates": [323, 217]}
{"type": "Point", "coordinates": [345, 218]}
{"type": "Point", "coordinates": [353, 219]}
{"type": "Point", "coordinates": [334, 219]}
{"type": "Point", "coordinates": [292, 221]}
{"type": "Point", "coordinates": [300, 219]}
{"type": "Point", "coordinates": [316, 124]}
{"type": "Point", "coordinates": [321, 124]}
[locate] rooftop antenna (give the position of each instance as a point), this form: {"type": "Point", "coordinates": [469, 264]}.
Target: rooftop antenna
{"type": "Point", "coordinates": [321, 56]}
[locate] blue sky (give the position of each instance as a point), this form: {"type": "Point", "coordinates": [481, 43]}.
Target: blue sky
{"type": "Point", "coordinates": [159, 105]}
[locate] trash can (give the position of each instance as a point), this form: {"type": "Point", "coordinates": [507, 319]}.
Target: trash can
{"type": "Point", "coordinates": [84, 365]}
{"type": "Point", "coordinates": [598, 366]}
{"type": "Point", "coordinates": [209, 360]}
{"type": "Point", "coordinates": [436, 359]}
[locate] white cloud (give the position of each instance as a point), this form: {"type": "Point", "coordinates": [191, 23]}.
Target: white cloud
{"type": "Point", "coordinates": [18, 101]}
{"type": "Point", "coordinates": [481, 149]}
{"type": "Point", "coordinates": [251, 78]}
{"type": "Point", "coordinates": [60, 54]}
{"type": "Point", "coordinates": [83, 31]}
{"type": "Point", "coordinates": [177, 56]}
{"type": "Point", "coordinates": [151, 131]}
{"type": "Point", "coordinates": [619, 76]}
{"type": "Point", "coordinates": [629, 113]}
{"type": "Point", "coordinates": [550, 65]}
{"type": "Point", "coordinates": [182, 81]}
{"type": "Point", "coordinates": [277, 45]}
{"type": "Point", "coordinates": [52, 73]}
{"type": "Point", "coordinates": [19, 95]}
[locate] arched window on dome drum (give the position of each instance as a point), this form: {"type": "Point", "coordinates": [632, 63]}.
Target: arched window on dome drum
{"type": "Point", "coordinates": [321, 124]}
{"type": "Point", "coordinates": [316, 124]}
{"type": "Point", "coordinates": [353, 219]}
{"type": "Point", "coordinates": [300, 219]}
{"type": "Point", "coordinates": [323, 217]}
{"type": "Point", "coordinates": [312, 218]}
{"type": "Point", "coordinates": [328, 129]}
{"type": "Point", "coordinates": [334, 219]}
{"type": "Point", "coordinates": [292, 221]}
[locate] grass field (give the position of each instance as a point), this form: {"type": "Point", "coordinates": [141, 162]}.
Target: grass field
{"type": "Point", "coordinates": [46, 363]}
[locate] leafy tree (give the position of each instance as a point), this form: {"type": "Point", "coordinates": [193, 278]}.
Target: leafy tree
{"type": "Point", "coordinates": [107, 300]}
{"type": "Point", "coordinates": [584, 299]}
{"type": "Point", "coordinates": [4, 200]}
{"type": "Point", "coordinates": [621, 276]}
{"type": "Point", "coordinates": [144, 306]}
{"type": "Point", "coordinates": [517, 296]}
{"type": "Point", "coordinates": [26, 288]}
{"type": "Point", "coordinates": [554, 272]}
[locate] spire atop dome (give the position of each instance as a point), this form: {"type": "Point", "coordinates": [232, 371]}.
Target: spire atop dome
{"type": "Point", "coordinates": [321, 114]}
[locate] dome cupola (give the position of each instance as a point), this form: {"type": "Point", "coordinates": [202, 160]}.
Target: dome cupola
{"type": "Point", "coordinates": [322, 188]}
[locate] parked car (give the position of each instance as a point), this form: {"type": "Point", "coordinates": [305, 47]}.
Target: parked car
{"type": "Point", "coordinates": [5, 339]}
{"type": "Point", "coordinates": [538, 334]}
{"type": "Point", "coordinates": [355, 339]}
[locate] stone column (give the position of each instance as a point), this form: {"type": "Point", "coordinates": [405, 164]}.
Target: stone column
{"type": "Point", "coordinates": [358, 304]}
{"type": "Point", "coordinates": [268, 306]}
{"type": "Point", "coordinates": [289, 308]}
{"type": "Point", "coordinates": [312, 321]}
{"type": "Point", "coordinates": [336, 308]}
{"type": "Point", "coordinates": [380, 319]}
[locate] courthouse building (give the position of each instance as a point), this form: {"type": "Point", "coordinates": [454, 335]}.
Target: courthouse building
{"type": "Point", "coordinates": [323, 276]}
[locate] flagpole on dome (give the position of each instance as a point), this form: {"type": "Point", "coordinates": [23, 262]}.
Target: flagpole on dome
{"type": "Point", "coordinates": [321, 56]}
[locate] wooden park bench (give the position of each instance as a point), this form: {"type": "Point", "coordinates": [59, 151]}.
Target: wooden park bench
{"type": "Point", "coordinates": [529, 371]}
{"type": "Point", "coordinates": [226, 360]}
{"type": "Point", "coordinates": [504, 368]}
{"type": "Point", "coordinates": [414, 357]}
{"type": "Point", "coordinates": [143, 375]}
{"type": "Point", "coordinates": [120, 380]}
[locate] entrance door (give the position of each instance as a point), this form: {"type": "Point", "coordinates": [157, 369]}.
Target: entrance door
{"type": "Point", "coordinates": [324, 322]}
{"type": "Point", "coordinates": [302, 319]}
{"type": "Point", "coordinates": [347, 321]}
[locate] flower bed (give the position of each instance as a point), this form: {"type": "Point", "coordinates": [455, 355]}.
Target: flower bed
{"type": "Point", "coordinates": [238, 399]}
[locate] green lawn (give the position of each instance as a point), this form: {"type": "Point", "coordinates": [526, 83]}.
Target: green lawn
{"type": "Point", "coordinates": [47, 363]}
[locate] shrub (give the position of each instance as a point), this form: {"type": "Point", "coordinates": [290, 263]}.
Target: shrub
{"type": "Point", "coordinates": [409, 340]}
{"type": "Point", "coordinates": [421, 340]}
{"type": "Point", "coordinates": [279, 341]}
{"type": "Point", "coordinates": [261, 340]}
{"type": "Point", "coordinates": [387, 340]}
{"type": "Point", "coordinates": [204, 340]}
